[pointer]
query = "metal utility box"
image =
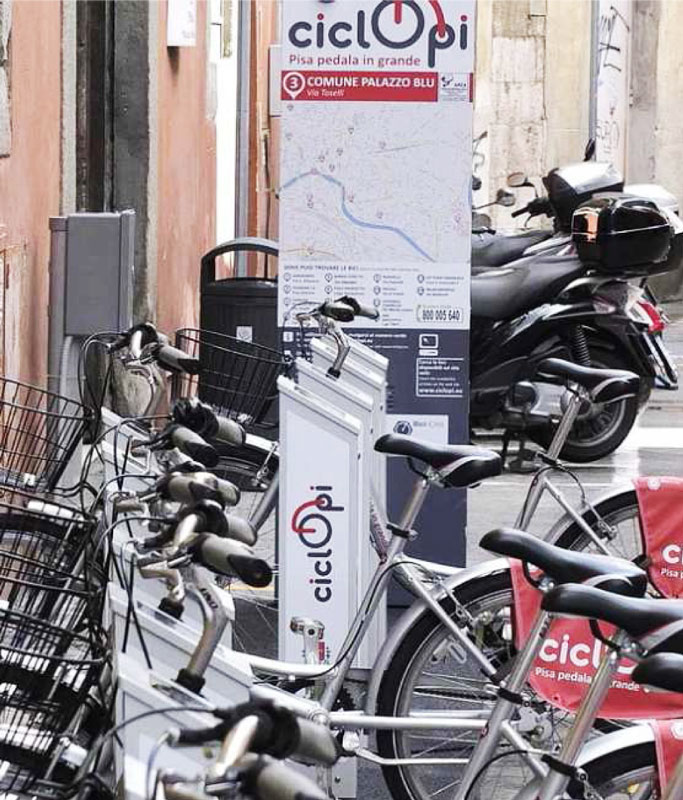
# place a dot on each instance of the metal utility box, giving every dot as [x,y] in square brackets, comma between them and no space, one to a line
[98,280]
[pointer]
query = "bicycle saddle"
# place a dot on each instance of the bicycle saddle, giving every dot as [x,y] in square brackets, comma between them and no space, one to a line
[568,566]
[604,385]
[657,624]
[663,671]
[460,465]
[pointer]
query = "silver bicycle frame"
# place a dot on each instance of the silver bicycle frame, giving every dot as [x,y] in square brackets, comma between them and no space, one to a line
[555,783]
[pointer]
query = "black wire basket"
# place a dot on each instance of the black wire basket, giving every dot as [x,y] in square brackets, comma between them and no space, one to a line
[56,538]
[51,638]
[237,378]
[39,432]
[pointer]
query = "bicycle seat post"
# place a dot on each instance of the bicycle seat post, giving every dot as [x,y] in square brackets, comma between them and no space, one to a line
[567,420]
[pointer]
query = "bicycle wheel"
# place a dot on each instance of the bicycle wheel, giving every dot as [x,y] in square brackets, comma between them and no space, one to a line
[256,622]
[616,521]
[431,672]
[627,774]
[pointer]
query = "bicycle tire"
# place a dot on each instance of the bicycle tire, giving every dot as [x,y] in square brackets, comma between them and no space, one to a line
[618,510]
[415,649]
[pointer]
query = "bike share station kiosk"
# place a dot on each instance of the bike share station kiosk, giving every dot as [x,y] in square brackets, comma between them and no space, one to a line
[375,106]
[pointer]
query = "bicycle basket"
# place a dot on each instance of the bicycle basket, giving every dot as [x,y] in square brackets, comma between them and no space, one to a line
[51,646]
[40,697]
[39,431]
[237,378]
[57,541]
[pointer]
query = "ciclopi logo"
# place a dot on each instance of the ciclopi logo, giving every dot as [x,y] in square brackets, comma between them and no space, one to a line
[386,29]
[580,654]
[673,554]
[312,523]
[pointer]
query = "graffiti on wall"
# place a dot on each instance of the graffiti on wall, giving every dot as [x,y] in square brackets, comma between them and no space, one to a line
[613,42]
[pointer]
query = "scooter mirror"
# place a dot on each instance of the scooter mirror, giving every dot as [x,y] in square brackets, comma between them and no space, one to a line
[589,152]
[481,220]
[517,179]
[504,198]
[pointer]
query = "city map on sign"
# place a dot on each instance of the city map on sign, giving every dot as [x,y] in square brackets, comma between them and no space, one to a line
[364,188]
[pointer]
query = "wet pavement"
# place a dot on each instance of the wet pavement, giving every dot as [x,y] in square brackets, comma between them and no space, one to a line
[654,447]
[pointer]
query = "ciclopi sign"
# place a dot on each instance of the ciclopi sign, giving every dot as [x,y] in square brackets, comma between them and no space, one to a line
[385,26]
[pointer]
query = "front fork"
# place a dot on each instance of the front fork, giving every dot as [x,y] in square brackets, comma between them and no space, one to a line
[508,701]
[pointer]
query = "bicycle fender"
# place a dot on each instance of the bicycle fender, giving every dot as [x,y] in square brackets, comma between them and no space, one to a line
[609,743]
[411,616]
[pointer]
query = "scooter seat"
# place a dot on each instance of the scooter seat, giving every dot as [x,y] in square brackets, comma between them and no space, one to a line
[662,670]
[657,624]
[493,249]
[517,287]
[568,566]
[604,385]
[460,465]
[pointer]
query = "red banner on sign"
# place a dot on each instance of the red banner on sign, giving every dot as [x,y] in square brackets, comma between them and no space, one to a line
[406,87]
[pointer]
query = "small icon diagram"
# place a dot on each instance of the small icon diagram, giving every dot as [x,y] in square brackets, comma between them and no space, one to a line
[293,83]
[429,344]
[404,427]
[429,340]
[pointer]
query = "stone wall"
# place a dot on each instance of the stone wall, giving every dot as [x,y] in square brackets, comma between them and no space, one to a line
[533,68]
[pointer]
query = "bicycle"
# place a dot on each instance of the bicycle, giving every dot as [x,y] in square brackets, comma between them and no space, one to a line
[434,477]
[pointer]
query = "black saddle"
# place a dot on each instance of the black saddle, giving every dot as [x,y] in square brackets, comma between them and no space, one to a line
[657,624]
[522,285]
[568,566]
[662,670]
[604,385]
[493,249]
[460,465]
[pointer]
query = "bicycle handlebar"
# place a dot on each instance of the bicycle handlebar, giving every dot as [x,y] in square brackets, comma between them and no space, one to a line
[175,360]
[272,780]
[192,444]
[279,733]
[190,487]
[336,310]
[232,558]
[359,310]
[202,419]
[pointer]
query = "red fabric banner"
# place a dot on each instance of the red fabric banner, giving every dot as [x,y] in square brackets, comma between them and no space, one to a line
[569,658]
[660,501]
[669,744]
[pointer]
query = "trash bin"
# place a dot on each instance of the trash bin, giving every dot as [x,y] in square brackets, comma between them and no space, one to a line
[245,308]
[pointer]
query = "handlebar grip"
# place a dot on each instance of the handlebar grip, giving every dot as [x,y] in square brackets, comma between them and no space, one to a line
[175,360]
[274,780]
[232,558]
[229,432]
[191,487]
[240,529]
[337,311]
[520,211]
[358,308]
[194,736]
[193,445]
[316,744]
